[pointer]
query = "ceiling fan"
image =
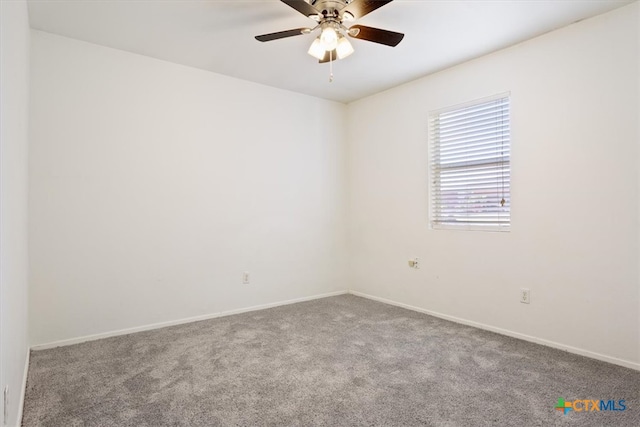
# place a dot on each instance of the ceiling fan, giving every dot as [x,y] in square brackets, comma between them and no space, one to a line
[331,16]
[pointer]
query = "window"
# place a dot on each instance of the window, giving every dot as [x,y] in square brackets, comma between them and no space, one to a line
[470,166]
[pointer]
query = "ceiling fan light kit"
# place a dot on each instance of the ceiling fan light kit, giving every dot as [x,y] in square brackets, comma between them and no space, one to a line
[317,49]
[328,37]
[331,15]
[344,48]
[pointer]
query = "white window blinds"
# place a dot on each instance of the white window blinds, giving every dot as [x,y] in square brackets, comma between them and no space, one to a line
[470,166]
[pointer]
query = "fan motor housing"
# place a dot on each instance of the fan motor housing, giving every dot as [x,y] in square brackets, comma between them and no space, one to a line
[329,8]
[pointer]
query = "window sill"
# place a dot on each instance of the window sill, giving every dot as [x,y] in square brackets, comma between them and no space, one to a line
[472,227]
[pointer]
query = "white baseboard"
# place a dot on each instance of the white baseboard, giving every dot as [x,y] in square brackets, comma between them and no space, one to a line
[23,391]
[178,322]
[559,346]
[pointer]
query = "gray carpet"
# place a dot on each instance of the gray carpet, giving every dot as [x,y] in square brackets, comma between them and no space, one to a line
[337,361]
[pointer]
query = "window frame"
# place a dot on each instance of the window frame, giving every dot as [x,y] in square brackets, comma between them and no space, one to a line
[433,225]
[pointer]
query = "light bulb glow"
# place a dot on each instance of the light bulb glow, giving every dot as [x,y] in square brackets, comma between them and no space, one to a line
[316,50]
[344,48]
[329,38]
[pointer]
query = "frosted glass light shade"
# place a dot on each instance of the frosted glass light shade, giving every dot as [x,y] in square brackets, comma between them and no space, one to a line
[344,48]
[316,50]
[329,38]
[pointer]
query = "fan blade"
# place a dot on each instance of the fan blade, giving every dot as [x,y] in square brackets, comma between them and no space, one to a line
[375,35]
[360,8]
[302,6]
[326,58]
[281,34]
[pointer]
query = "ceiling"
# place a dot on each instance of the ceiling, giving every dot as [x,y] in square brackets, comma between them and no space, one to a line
[218,35]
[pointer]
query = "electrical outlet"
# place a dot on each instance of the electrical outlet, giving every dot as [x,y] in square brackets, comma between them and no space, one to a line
[525,296]
[245,278]
[5,399]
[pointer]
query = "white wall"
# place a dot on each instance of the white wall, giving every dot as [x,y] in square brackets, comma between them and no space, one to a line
[574,233]
[14,94]
[153,186]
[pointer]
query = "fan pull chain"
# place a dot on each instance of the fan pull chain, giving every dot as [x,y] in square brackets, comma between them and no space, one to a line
[330,67]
